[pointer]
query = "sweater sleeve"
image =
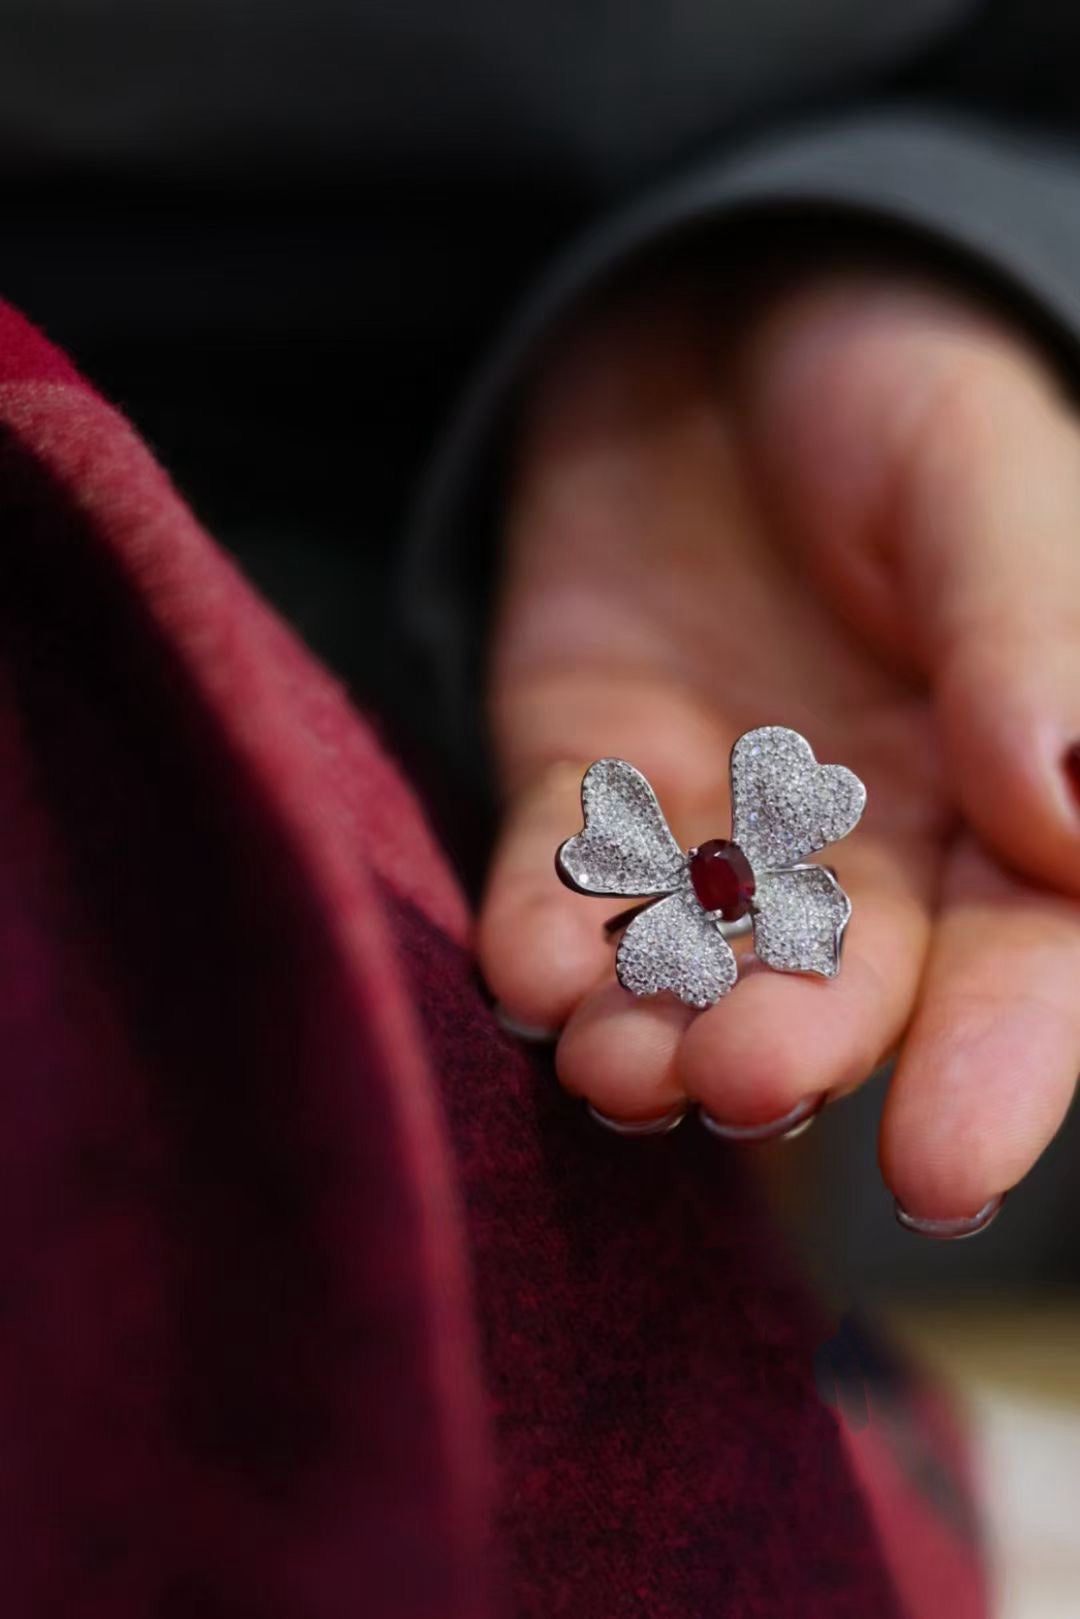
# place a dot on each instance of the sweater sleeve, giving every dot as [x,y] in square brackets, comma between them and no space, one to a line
[1005,206]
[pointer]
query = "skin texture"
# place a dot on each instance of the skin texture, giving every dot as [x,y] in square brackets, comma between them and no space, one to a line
[853,509]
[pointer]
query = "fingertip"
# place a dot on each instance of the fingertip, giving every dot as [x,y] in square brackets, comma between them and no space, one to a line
[982,1086]
[746,1064]
[780,1038]
[620,1052]
[940,1180]
[539,946]
[539,954]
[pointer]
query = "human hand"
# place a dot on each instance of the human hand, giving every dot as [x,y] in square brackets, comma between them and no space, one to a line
[858,516]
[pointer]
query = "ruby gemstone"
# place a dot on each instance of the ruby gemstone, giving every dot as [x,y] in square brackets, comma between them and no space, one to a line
[723,878]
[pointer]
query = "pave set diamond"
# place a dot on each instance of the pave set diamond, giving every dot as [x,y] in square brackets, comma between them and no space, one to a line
[626,846]
[785,806]
[673,945]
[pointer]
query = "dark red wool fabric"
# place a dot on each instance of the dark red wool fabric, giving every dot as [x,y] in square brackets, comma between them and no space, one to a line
[317,1299]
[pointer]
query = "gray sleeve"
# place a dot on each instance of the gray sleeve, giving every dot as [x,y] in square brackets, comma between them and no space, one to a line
[1006,207]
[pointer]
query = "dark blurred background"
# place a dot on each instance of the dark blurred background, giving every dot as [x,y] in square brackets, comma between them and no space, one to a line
[289,345]
[279,236]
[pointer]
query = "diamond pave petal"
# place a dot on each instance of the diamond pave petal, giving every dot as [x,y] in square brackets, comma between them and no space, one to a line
[674,946]
[626,846]
[784,804]
[799,919]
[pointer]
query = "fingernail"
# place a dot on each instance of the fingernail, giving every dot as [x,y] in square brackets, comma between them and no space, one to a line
[661,1125]
[535,1033]
[800,1118]
[952,1230]
[1072,767]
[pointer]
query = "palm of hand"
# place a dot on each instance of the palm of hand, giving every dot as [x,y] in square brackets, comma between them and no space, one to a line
[687,560]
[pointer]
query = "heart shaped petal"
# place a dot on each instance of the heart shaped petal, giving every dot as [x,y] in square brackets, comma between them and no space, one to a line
[626,846]
[799,920]
[674,946]
[784,804]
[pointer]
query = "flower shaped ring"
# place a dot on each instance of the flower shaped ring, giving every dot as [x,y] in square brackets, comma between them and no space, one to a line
[785,806]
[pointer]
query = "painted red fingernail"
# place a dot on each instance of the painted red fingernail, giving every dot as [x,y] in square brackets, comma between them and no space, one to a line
[1072,767]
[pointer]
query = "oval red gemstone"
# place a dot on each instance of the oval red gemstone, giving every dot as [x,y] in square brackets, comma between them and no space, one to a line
[723,879]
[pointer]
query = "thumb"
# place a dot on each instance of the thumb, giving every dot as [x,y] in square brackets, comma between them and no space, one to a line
[921,453]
